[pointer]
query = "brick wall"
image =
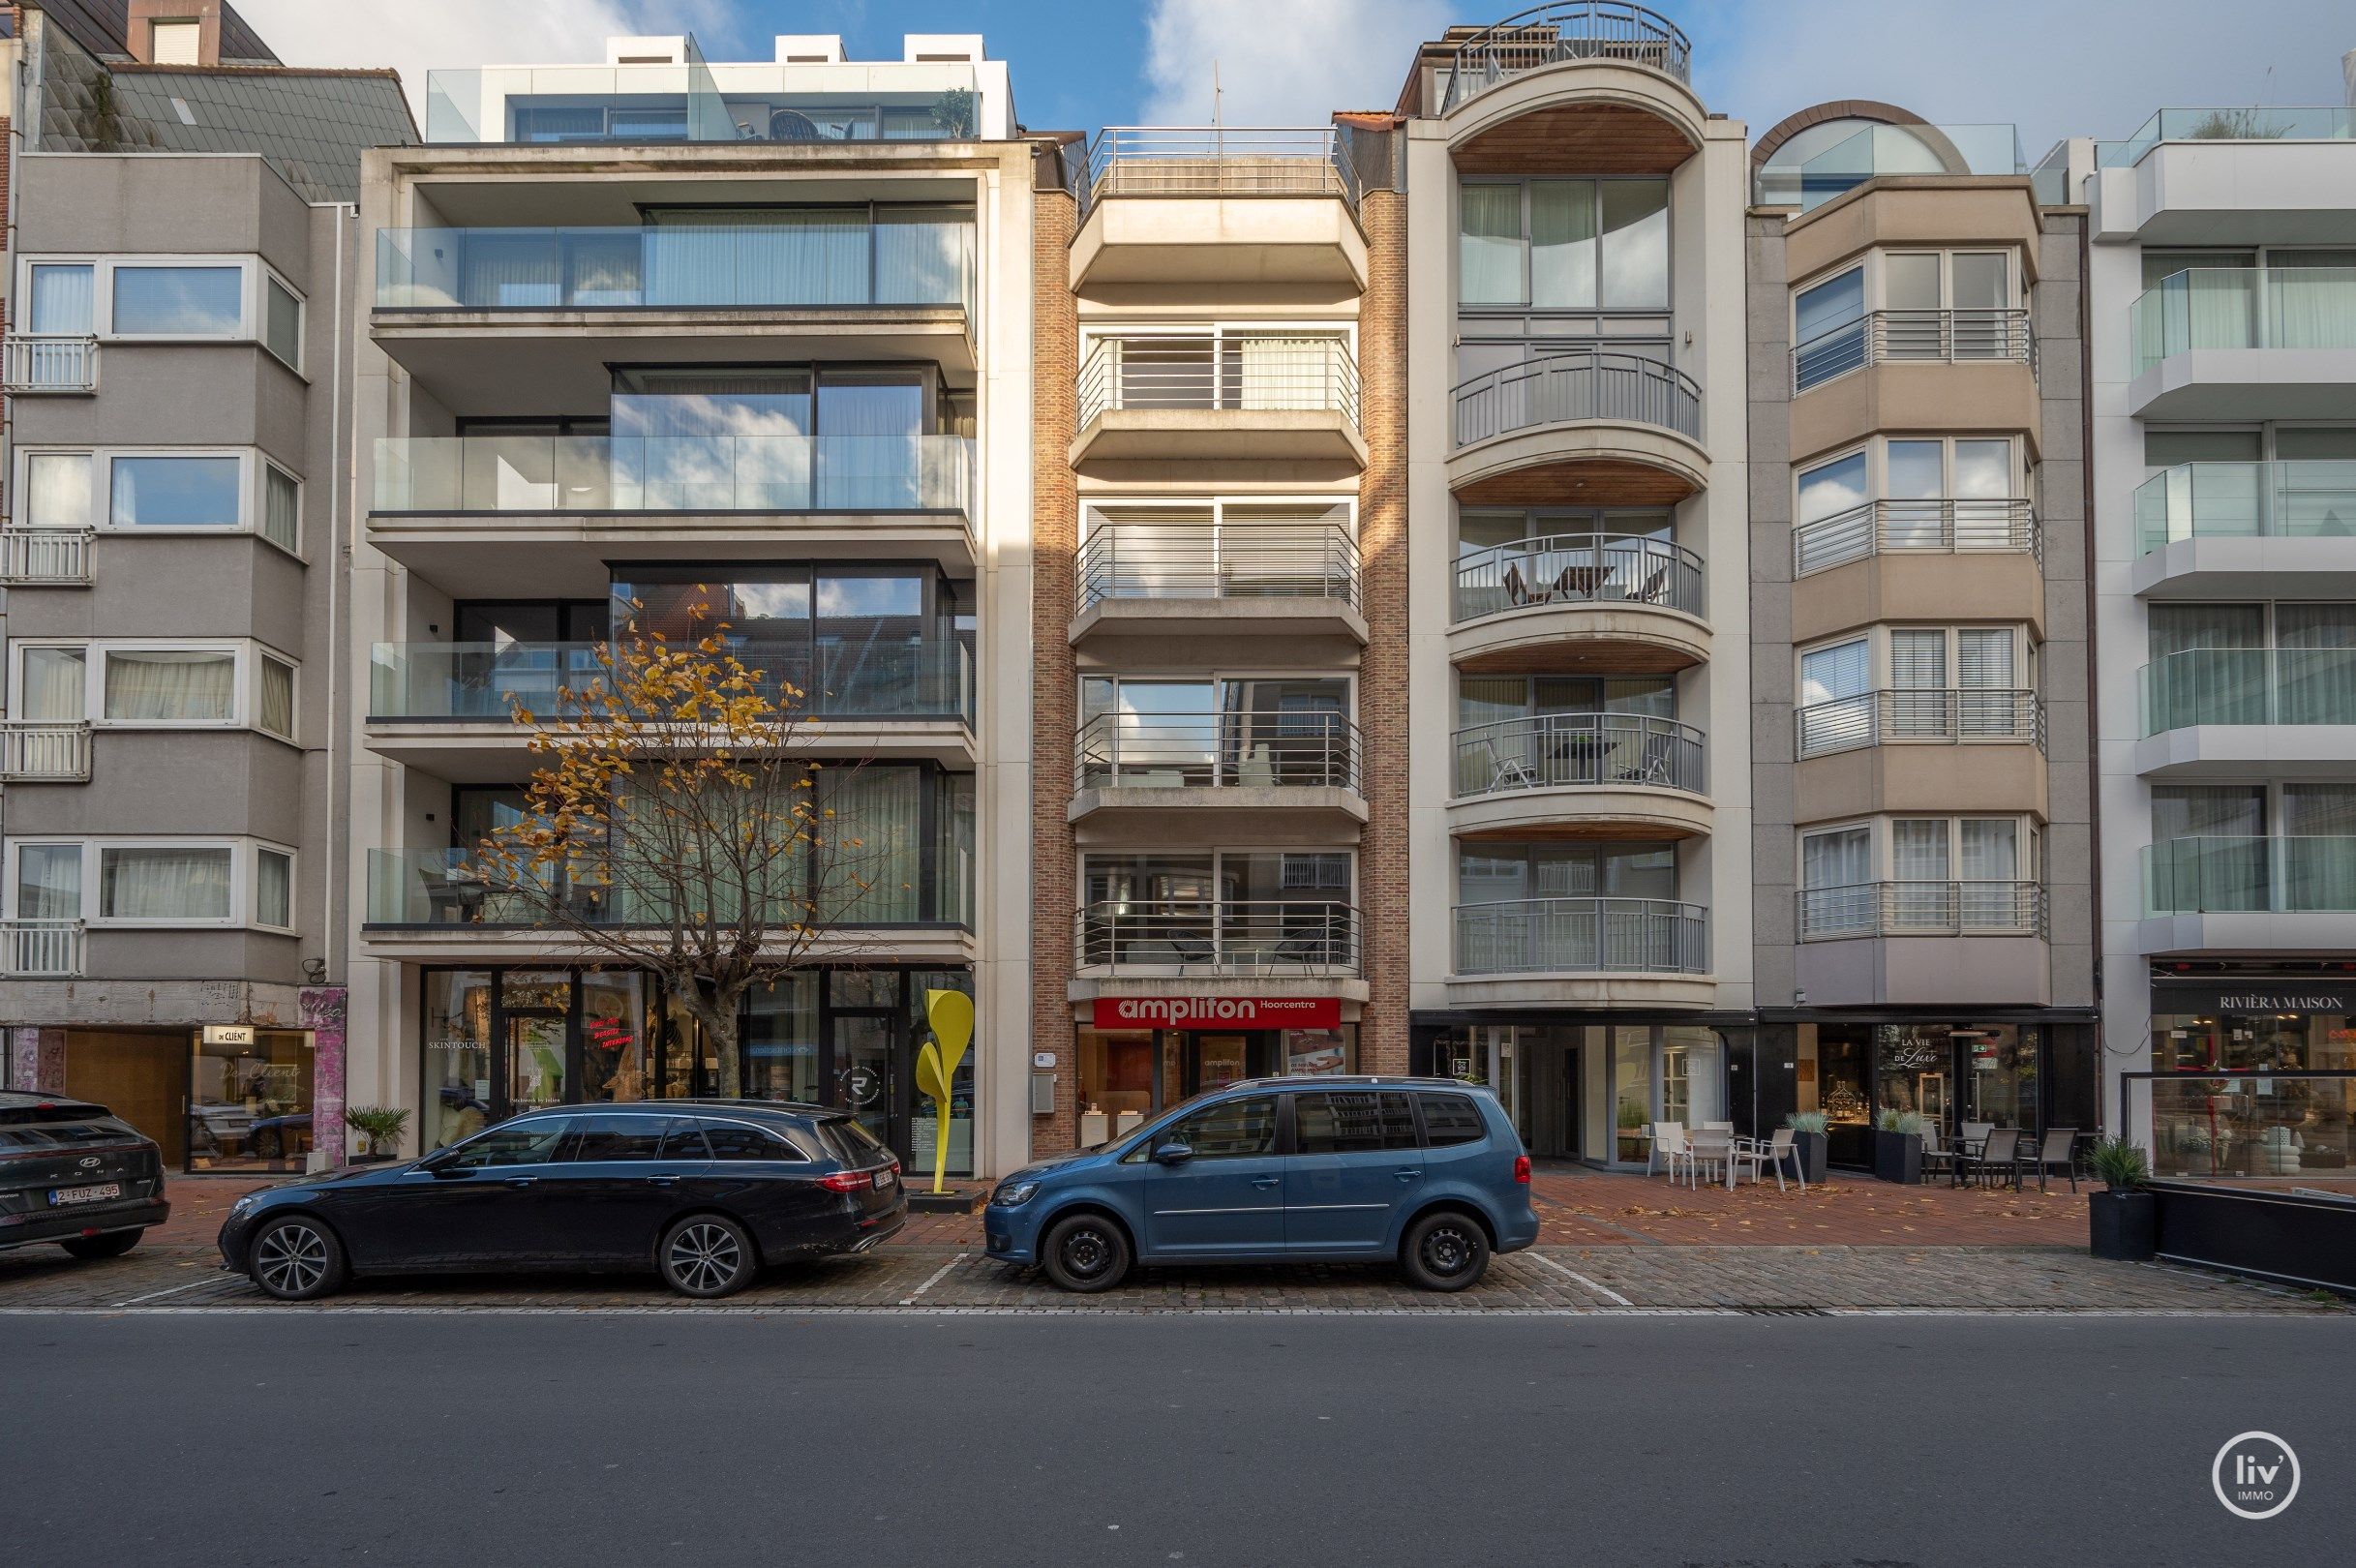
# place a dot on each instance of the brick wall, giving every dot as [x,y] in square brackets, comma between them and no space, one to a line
[1054,678]
[1383,677]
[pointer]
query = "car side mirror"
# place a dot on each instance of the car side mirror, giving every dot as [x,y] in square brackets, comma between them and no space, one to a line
[1173,1154]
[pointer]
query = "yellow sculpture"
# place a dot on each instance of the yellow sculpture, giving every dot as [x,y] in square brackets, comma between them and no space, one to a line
[951,1016]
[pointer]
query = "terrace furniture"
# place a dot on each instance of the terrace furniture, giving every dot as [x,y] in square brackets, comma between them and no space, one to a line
[1714,1149]
[1508,773]
[1997,1159]
[2054,1153]
[1936,1155]
[1668,1146]
[1758,1156]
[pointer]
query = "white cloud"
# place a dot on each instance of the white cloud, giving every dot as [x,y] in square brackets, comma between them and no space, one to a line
[416,36]
[1281,62]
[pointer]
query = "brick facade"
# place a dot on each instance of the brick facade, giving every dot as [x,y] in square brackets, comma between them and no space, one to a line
[1382,674]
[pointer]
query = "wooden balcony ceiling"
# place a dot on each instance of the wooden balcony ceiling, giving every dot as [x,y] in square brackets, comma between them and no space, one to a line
[1601,829]
[1574,656]
[1578,138]
[1582,482]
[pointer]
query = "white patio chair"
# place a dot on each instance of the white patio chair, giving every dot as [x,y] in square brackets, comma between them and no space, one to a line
[1712,1149]
[1508,773]
[1668,1147]
[1750,1153]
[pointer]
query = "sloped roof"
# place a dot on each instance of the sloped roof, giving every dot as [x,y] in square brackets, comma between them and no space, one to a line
[104,29]
[313,124]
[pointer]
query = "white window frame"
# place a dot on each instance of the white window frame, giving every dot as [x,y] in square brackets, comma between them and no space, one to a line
[247,653]
[1876,452]
[1213,678]
[244,878]
[252,296]
[1876,283]
[1110,509]
[253,489]
[1219,329]
[1878,664]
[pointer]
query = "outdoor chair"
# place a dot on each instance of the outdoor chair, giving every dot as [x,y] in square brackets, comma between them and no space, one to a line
[1937,1158]
[2054,1153]
[1508,773]
[1711,1148]
[1652,765]
[1996,1160]
[1518,590]
[1668,1147]
[1750,1153]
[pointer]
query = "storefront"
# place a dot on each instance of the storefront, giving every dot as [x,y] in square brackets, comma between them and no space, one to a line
[497,1042]
[1591,1091]
[221,1098]
[1140,1055]
[2023,1073]
[2253,1077]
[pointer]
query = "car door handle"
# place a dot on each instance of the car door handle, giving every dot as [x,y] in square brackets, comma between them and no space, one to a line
[1265,1181]
[521,1180]
[1407,1175]
[662,1181]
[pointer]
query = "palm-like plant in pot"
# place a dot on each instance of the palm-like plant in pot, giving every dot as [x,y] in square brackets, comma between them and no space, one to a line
[2123,1220]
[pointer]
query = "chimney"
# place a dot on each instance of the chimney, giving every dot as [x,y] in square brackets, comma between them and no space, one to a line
[175,32]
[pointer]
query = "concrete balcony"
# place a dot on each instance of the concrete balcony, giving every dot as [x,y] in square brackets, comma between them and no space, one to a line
[2274,895]
[1913,943]
[1158,579]
[1579,775]
[1221,395]
[540,516]
[2249,713]
[1594,425]
[2246,531]
[2245,344]
[32,752]
[1578,603]
[1215,206]
[1235,777]
[2269,176]
[1309,940]
[1582,951]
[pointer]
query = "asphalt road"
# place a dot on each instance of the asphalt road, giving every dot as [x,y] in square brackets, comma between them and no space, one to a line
[308,1439]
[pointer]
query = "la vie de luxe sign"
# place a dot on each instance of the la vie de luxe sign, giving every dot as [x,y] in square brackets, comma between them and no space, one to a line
[1217,1012]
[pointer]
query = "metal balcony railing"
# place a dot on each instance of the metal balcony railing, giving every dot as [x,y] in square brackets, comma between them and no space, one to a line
[1582,936]
[1588,383]
[1217,161]
[2224,307]
[1217,560]
[1951,526]
[39,949]
[2248,686]
[2279,873]
[1557,750]
[682,474]
[1259,748]
[35,752]
[1951,337]
[1550,35]
[44,556]
[1913,908]
[1901,716]
[1219,936]
[1227,370]
[1578,568]
[49,362]
[2314,499]
[881,677]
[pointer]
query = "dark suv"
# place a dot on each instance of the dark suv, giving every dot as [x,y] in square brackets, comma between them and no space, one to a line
[73,1174]
[703,1192]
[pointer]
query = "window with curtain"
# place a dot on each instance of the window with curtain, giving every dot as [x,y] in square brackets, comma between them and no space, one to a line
[282,326]
[924,256]
[1563,236]
[1836,705]
[274,889]
[1828,329]
[2210,665]
[48,882]
[879,880]
[1489,244]
[276,698]
[1989,856]
[1635,225]
[1585,244]
[62,298]
[1919,849]
[1987,675]
[1836,876]
[282,509]
[505,269]
[163,882]
[175,491]
[869,439]
[2208,849]
[178,301]
[2313,297]
[776,255]
[2319,862]
[55,685]
[168,687]
[56,490]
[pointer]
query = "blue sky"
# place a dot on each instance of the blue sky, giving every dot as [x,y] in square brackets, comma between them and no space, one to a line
[2054,67]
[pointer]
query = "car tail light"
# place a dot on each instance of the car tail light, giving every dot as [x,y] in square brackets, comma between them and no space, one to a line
[1522,1170]
[854,1181]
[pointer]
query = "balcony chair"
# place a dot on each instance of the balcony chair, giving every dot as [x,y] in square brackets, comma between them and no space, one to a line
[1653,762]
[1507,772]
[1518,590]
[1654,589]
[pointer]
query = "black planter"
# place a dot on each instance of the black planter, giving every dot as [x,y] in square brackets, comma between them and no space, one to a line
[1810,1148]
[2122,1226]
[1897,1157]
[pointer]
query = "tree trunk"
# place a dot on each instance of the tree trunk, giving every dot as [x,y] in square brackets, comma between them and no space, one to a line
[719,1016]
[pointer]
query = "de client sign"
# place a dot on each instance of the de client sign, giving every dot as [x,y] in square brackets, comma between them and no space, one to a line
[1217,1012]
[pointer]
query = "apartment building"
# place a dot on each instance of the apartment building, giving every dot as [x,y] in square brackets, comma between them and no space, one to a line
[1220,739]
[183,251]
[1580,788]
[665,331]
[2221,327]
[1920,645]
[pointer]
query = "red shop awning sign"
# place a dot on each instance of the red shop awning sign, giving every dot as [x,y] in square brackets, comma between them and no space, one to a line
[1217,1012]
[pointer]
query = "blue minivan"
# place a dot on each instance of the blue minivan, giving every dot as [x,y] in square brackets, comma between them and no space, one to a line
[1427,1171]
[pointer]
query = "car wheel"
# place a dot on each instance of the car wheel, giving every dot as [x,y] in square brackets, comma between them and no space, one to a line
[707,1256]
[265,1145]
[1446,1251]
[113,1244]
[1085,1252]
[297,1258]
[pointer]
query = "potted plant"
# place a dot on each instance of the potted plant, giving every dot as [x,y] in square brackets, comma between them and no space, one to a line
[952,113]
[1808,1142]
[380,1127]
[1897,1147]
[2123,1220]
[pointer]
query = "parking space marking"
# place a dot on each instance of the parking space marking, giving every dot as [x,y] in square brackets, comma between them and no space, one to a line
[1579,1278]
[154,1295]
[937,1274]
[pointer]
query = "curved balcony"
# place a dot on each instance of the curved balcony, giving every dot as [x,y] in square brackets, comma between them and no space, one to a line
[1616,417]
[1550,35]
[1576,952]
[1246,937]
[1570,87]
[1579,775]
[1220,393]
[1234,776]
[1579,602]
[1159,577]
[2244,529]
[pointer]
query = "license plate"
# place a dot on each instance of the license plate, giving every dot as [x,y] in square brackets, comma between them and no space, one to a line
[885,1178]
[67,1196]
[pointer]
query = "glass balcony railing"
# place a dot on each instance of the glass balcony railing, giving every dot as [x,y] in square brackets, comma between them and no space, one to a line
[2330,122]
[2308,500]
[1582,936]
[872,677]
[1877,150]
[459,888]
[572,104]
[681,473]
[2222,308]
[2250,686]
[2278,874]
[1606,31]
[806,259]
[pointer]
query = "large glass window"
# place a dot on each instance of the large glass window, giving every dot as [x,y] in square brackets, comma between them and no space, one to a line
[176,493]
[457,1056]
[1828,329]
[150,686]
[1564,243]
[250,1106]
[178,301]
[779,1040]
[164,882]
[62,298]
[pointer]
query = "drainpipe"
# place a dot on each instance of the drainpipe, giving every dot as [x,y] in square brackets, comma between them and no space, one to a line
[331,951]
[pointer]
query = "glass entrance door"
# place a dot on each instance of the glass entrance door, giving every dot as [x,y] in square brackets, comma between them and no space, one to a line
[536,1060]
[867,1082]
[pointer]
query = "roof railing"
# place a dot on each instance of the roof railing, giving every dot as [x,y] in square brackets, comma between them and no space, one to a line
[1603,30]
